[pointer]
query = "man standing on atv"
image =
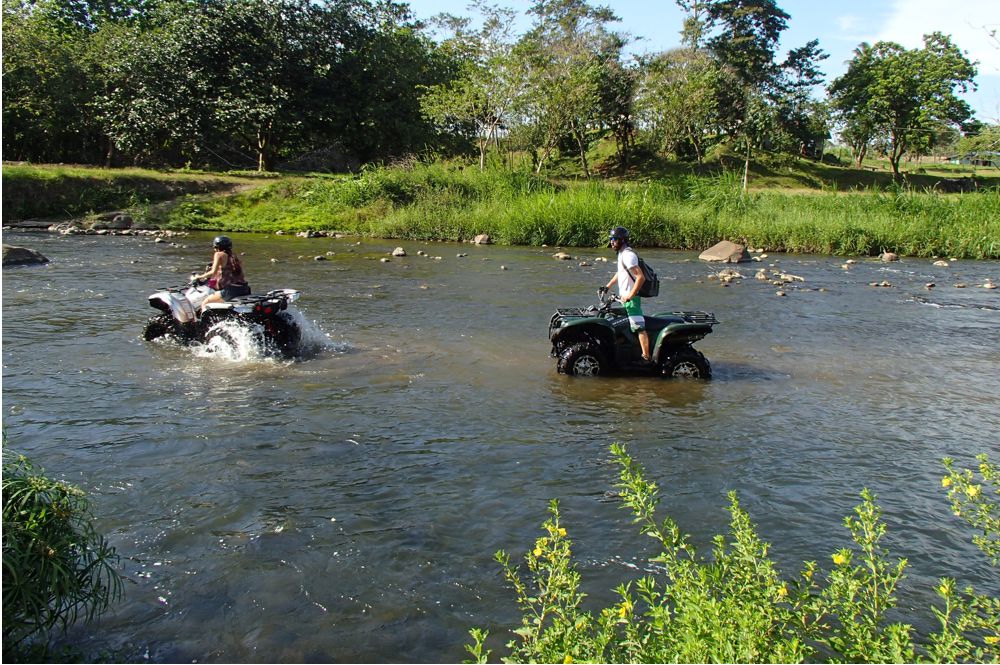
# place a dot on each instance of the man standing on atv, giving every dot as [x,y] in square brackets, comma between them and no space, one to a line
[227,271]
[630,280]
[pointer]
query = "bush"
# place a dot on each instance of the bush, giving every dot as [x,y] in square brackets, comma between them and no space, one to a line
[56,568]
[736,607]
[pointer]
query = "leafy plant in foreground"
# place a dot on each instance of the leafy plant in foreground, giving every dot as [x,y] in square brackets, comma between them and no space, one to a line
[735,607]
[56,568]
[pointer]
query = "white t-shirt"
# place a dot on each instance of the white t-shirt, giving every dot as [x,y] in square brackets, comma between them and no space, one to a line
[627,259]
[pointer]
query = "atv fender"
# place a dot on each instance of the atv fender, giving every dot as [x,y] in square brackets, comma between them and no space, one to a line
[679,333]
[598,330]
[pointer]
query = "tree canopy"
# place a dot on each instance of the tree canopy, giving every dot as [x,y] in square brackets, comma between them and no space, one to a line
[331,84]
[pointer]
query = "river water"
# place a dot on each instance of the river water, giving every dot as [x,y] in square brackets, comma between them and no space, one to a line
[346,507]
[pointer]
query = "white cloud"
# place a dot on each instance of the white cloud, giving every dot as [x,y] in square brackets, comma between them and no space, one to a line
[969,23]
[848,23]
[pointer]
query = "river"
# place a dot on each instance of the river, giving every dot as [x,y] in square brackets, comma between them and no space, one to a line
[346,507]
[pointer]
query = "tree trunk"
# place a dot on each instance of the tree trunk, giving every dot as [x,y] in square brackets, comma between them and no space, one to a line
[578,135]
[109,157]
[746,168]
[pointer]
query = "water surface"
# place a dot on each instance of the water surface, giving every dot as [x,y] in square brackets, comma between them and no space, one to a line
[346,507]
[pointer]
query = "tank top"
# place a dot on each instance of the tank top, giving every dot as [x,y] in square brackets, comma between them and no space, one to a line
[232,272]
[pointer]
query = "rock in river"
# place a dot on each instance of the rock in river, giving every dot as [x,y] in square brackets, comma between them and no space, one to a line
[21,256]
[725,252]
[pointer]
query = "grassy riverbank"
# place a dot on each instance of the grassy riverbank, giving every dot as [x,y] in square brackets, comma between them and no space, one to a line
[680,211]
[52,191]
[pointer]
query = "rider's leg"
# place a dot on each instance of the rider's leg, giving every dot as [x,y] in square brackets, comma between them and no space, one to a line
[215,297]
[644,343]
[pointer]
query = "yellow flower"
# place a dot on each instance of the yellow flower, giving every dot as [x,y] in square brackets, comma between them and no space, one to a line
[943,589]
[623,611]
[946,482]
[782,592]
[538,551]
[568,659]
[993,639]
[972,491]
[562,531]
[839,558]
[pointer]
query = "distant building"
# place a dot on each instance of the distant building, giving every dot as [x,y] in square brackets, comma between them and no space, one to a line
[977,159]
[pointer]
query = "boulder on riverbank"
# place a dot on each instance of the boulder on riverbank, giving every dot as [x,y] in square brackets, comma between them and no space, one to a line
[725,252]
[21,256]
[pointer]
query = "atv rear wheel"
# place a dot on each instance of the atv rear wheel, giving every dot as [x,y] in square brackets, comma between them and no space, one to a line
[158,326]
[583,359]
[687,364]
[285,333]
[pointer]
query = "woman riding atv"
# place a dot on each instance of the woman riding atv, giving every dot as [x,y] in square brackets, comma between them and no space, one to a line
[227,271]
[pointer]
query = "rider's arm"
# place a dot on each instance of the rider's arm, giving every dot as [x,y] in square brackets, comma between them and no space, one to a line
[638,279]
[217,263]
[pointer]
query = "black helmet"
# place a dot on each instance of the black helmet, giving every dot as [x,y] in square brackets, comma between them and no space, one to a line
[618,233]
[223,243]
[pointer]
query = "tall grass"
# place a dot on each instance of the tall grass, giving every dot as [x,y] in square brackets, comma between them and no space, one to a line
[442,201]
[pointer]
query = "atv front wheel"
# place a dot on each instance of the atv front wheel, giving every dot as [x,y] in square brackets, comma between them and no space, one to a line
[223,342]
[158,326]
[687,364]
[582,359]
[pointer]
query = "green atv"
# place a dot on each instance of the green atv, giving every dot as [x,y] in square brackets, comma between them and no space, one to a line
[597,340]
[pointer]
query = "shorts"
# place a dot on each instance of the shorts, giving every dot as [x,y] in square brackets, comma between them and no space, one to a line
[633,308]
[235,291]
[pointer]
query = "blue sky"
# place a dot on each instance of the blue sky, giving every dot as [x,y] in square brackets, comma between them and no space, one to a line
[840,26]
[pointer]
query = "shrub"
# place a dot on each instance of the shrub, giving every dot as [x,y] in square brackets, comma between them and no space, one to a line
[736,607]
[56,568]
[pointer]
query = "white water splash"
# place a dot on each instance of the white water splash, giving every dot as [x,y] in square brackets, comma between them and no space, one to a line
[239,342]
[314,339]
[234,342]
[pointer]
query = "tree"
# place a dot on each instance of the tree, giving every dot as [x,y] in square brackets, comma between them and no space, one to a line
[563,52]
[617,85]
[745,42]
[899,95]
[802,119]
[47,86]
[678,100]
[483,94]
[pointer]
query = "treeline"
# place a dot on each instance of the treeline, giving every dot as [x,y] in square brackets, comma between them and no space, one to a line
[332,84]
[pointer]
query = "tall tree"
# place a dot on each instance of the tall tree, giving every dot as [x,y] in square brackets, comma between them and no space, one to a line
[678,100]
[563,51]
[47,85]
[485,90]
[745,38]
[904,94]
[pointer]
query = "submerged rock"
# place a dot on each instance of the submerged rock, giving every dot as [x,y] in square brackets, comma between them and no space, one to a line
[21,256]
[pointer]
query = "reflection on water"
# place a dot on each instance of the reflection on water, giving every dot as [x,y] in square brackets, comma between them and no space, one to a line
[345,506]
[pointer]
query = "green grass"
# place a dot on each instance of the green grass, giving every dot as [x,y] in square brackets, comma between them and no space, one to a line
[59,191]
[682,212]
[808,207]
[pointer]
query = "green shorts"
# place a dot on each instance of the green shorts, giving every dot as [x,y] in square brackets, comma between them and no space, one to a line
[636,320]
